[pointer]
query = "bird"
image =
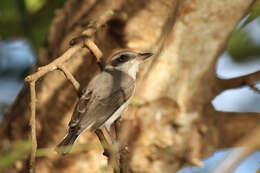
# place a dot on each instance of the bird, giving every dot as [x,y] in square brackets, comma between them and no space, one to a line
[106,96]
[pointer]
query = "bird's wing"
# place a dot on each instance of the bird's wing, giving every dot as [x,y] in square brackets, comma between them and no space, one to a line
[81,108]
[106,107]
[92,110]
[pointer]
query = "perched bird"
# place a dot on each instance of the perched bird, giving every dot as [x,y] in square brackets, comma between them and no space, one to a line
[107,95]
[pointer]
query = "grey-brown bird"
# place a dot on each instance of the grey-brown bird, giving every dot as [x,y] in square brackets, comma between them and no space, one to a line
[105,98]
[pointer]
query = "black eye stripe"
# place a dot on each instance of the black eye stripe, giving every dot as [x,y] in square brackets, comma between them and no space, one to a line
[120,59]
[114,63]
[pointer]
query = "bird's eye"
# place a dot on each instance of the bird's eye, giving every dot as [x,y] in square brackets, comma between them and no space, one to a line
[122,58]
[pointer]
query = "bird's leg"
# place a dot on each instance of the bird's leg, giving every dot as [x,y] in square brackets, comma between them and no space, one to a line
[110,135]
[117,127]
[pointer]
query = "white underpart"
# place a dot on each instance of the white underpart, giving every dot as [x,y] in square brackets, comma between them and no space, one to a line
[117,114]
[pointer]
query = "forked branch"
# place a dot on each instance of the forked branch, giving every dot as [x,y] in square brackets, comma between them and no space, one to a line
[250,80]
[97,18]
[110,151]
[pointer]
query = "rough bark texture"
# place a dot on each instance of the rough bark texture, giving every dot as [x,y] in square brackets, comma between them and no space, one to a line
[175,124]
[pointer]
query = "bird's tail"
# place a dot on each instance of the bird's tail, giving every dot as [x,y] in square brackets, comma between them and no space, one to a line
[66,144]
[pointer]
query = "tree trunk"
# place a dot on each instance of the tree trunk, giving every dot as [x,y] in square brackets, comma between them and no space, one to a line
[174,123]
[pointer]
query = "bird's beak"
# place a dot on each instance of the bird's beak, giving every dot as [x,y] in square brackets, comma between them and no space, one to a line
[143,56]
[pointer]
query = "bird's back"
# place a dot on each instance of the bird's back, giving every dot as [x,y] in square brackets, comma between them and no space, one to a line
[105,93]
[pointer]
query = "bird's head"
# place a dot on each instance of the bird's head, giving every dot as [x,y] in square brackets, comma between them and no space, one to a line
[127,61]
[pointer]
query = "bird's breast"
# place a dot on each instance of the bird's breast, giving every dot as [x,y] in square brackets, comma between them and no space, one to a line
[117,113]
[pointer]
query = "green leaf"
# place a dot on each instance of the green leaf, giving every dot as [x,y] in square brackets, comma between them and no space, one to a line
[9,11]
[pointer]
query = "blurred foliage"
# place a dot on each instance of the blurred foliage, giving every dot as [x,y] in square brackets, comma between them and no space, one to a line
[240,45]
[27,18]
[20,151]
[34,5]
[135,102]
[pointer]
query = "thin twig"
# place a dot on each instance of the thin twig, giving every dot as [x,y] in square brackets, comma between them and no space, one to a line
[94,49]
[53,65]
[96,52]
[127,131]
[70,77]
[111,151]
[60,60]
[98,20]
[33,126]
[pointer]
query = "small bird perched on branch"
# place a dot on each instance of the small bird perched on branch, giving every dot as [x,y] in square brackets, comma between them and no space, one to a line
[107,95]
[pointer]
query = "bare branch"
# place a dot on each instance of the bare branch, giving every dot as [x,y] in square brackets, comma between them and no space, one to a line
[124,132]
[110,151]
[97,20]
[33,126]
[251,143]
[250,79]
[70,77]
[53,65]
[88,43]
[94,49]
[233,126]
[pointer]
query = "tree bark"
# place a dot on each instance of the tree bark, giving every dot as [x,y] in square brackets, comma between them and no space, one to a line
[174,123]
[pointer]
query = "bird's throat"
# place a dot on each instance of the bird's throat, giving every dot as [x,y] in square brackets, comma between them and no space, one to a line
[133,70]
